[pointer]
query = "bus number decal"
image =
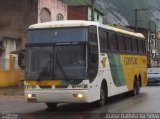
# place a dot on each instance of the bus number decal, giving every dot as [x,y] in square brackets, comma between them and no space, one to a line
[130,60]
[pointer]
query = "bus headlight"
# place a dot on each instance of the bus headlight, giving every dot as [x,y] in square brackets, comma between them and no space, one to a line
[80,95]
[29,95]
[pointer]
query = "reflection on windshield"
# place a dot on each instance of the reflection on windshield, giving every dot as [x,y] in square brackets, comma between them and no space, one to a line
[70,62]
[58,62]
[39,63]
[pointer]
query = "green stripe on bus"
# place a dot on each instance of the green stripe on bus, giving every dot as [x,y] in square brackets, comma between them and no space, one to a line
[116,69]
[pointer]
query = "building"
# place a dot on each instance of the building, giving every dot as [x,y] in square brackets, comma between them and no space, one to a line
[17,15]
[7,46]
[51,10]
[9,70]
[84,12]
[15,18]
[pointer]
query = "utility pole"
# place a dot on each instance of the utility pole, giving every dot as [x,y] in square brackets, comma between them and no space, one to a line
[92,13]
[136,16]
[155,40]
[155,36]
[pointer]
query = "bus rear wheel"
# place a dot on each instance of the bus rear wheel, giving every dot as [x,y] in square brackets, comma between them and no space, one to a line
[52,105]
[101,102]
[136,88]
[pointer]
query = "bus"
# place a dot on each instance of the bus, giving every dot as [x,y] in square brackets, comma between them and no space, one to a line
[82,62]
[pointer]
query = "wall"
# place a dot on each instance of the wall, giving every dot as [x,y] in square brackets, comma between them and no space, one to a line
[9,77]
[54,6]
[97,16]
[16,16]
[77,13]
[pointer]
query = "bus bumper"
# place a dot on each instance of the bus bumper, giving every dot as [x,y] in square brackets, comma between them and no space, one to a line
[58,96]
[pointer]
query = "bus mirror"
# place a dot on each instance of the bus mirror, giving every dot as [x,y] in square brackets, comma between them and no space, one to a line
[21,60]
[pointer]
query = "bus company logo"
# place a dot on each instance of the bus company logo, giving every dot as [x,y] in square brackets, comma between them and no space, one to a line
[104,62]
[130,60]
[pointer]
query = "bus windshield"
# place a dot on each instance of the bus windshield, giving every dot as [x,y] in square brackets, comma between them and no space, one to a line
[57,35]
[56,62]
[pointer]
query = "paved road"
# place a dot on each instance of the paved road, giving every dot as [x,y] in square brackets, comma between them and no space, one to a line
[147,101]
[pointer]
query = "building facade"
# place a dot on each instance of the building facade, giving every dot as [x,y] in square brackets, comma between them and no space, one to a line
[84,12]
[51,10]
[15,18]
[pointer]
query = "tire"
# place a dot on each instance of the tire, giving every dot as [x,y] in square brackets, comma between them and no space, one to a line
[136,88]
[103,97]
[51,105]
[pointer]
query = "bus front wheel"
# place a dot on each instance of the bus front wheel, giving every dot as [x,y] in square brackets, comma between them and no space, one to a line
[136,88]
[101,102]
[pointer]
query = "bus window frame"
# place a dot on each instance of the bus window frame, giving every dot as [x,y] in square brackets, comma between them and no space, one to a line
[111,36]
[107,41]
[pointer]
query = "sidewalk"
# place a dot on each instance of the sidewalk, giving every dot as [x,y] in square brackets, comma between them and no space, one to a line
[12,92]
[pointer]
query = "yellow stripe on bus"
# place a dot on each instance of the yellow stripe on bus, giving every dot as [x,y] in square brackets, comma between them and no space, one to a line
[44,82]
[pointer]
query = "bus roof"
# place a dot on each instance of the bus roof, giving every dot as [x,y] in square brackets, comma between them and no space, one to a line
[74,23]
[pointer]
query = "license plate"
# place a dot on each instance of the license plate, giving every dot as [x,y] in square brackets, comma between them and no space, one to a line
[32,100]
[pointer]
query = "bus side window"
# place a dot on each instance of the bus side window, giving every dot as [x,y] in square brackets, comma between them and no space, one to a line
[113,42]
[140,46]
[104,41]
[134,45]
[128,44]
[121,43]
[92,61]
[92,33]
[144,46]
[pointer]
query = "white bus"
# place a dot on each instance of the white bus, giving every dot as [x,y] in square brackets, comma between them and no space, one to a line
[82,62]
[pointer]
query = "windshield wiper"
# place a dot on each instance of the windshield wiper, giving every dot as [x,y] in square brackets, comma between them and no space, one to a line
[44,69]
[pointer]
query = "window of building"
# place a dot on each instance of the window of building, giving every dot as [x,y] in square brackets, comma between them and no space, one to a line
[59,17]
[45,15]
[97,16]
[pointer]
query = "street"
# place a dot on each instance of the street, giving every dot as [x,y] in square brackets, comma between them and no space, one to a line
[146,102]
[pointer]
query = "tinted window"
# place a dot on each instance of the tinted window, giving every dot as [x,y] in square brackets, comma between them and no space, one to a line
[128,44]
[92,62]
[134,45]
[144,46]
[121,43]
[92,32]
[104,41]
[56,35]
[140,46]
[113,42]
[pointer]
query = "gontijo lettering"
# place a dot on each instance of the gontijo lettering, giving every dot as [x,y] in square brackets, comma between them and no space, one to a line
[130,60]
